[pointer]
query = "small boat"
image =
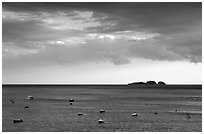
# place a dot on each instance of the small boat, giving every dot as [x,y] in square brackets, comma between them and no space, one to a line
[26,106]
[71,100]
[17,120]
[80,114]
[30,97]
[12,101]
[100,121]
[134,114]
[102,111]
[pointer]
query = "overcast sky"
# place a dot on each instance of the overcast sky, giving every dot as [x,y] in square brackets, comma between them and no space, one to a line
[102,42]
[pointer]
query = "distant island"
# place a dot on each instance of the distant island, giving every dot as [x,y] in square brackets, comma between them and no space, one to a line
[160,83]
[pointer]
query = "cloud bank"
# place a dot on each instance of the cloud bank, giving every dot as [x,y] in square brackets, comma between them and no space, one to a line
[73,33]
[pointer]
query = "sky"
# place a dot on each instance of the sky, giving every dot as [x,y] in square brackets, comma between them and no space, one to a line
[101,43]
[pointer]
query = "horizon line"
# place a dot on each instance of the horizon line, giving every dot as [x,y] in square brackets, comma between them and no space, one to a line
[91,83]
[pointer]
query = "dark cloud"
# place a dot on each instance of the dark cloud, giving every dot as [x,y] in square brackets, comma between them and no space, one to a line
[166,17]
[33,31]
[178,26]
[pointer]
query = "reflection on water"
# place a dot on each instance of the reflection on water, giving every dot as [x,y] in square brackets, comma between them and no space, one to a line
[193,103]
[183,111]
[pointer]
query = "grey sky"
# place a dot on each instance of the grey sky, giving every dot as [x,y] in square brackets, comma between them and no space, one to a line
[42,35]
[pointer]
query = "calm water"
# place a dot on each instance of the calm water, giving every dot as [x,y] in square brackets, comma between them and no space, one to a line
[50,110]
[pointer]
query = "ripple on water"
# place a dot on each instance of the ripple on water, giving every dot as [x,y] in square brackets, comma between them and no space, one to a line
[185,111]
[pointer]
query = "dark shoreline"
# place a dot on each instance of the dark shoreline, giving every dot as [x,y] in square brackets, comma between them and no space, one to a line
[170,86]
